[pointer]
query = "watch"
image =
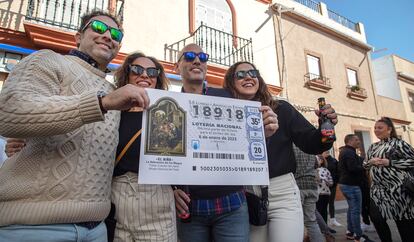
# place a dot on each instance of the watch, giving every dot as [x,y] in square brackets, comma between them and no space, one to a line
[100,95]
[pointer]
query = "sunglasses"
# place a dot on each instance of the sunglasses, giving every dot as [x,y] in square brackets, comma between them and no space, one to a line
[191,55]
[242,74]
[138,70]
[100,28]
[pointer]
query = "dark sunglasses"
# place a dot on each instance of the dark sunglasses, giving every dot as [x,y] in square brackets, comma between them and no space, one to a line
[242,74]
[100,28]
[191,55]
[139,70]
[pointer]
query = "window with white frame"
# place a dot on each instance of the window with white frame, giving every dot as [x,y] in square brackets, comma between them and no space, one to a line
[314,67]
[215,14]
[411,100]
[352,77]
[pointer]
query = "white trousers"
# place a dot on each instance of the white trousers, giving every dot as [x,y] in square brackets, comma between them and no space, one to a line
[143,212]
[285,216]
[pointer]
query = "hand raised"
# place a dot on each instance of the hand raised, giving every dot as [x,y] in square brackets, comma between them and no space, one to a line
[126,97]
[329,112]
[270,121]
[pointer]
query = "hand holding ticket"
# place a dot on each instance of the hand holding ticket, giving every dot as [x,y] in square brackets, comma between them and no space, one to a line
[202,140]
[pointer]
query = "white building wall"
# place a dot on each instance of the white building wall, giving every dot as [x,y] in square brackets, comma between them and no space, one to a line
[386,78]
[151,24]
[251,15]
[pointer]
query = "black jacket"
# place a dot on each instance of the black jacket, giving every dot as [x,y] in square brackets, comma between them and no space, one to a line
[333,168]
[350,167]
[293,128]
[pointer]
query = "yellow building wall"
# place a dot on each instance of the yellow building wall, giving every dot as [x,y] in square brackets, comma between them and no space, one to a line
[336,55]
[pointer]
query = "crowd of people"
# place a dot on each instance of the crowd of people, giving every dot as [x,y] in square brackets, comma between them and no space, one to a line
[72,171]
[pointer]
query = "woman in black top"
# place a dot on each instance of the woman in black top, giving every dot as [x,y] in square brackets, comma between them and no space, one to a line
[143,212]
[285,211]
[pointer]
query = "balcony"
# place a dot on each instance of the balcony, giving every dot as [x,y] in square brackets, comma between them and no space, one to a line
[342,20]
[356,92]
[317,82]
[66,13]
[322,9]
[310,4]
[224,48]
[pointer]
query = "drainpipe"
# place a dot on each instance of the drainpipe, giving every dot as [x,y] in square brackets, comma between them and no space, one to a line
[277,11]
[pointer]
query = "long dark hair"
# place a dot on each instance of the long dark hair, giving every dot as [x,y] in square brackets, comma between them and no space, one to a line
[387,121]
[122,74]
[263,95]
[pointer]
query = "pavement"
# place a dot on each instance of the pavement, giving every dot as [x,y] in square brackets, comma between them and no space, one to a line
[341,208]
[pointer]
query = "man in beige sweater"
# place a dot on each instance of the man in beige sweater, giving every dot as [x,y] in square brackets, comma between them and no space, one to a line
[58,187]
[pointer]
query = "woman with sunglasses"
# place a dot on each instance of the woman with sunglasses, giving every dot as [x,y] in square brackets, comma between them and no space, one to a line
[139,212]
[390,161]
[285,217]
[143,212]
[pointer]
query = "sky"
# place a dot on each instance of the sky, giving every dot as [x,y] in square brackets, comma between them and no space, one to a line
[388,23]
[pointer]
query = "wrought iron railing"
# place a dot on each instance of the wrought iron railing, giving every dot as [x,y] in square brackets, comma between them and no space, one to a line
[223,48]
[342,20]
[310,77]
[67,13]
[310,4]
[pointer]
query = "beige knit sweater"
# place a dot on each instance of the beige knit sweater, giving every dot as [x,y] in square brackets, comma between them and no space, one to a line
[63,175]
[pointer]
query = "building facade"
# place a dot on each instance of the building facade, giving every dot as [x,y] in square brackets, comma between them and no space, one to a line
[299,46]
[323,54]
[394,81]
[224,28]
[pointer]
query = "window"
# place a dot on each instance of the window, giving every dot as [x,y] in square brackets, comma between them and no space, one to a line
[365,139]
[411,100]
[314,67]
[352,77]
[214,13]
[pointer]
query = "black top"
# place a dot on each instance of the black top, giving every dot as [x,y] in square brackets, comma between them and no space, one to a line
[350,167]
[293,127]
[333,168]
[129,125]
[210,192]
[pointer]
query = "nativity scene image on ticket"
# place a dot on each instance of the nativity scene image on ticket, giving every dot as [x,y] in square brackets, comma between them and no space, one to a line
[166,129]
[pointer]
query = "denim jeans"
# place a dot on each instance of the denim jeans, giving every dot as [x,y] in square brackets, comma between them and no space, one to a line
[354,199]
[53,233]
[232,226]
[309,198]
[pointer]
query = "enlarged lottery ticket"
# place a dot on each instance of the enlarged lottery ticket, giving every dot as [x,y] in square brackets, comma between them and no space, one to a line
[202,140]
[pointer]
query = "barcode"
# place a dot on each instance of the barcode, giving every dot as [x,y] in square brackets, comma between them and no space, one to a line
[224,156]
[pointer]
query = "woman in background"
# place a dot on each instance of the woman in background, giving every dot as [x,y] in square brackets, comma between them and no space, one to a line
[324,182]
[390,161]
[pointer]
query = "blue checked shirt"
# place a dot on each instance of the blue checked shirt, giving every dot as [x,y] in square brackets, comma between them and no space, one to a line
[217,206]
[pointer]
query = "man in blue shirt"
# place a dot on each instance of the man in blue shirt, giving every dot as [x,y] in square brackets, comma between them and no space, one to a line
[218,213]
